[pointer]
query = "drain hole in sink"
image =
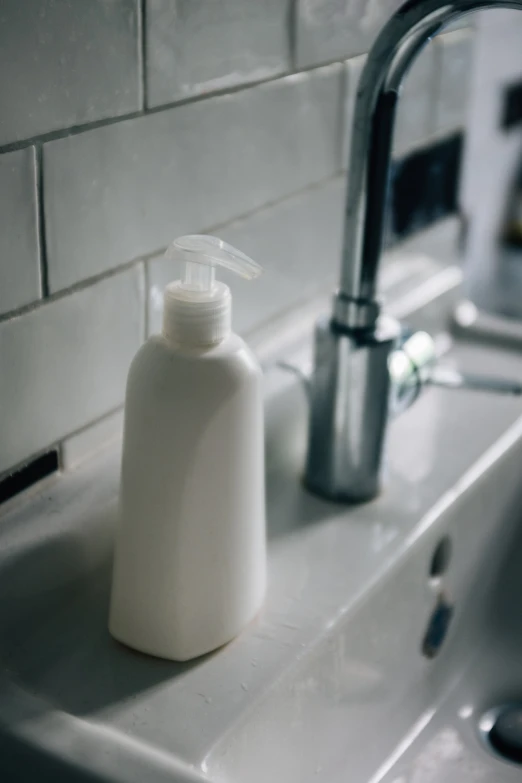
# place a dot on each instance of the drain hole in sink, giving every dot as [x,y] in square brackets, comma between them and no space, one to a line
[442,613]
[438,627]
[502,729]
[441,557]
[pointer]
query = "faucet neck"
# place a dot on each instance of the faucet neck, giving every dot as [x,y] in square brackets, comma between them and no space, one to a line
[390,58]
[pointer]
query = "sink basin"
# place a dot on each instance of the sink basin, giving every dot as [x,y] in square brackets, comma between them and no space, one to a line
[388,628]
[363,703]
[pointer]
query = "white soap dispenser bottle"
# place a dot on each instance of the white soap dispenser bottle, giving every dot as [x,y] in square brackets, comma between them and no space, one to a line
[190,562]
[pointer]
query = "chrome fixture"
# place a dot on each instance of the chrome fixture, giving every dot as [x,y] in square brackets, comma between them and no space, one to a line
[350,385]
[413,366]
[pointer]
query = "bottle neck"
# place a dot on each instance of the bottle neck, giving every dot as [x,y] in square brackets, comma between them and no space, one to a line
[194,319]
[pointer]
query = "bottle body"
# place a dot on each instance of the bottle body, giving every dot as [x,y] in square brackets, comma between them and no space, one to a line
[190,562]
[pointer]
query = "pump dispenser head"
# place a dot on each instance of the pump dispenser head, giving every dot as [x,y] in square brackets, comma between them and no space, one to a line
[197,308]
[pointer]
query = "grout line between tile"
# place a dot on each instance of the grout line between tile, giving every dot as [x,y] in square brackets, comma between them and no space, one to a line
[142,52]
[291,23]
[145,306]
[79,286]
[82,284]
[76,130]
[41,228]
[92,423]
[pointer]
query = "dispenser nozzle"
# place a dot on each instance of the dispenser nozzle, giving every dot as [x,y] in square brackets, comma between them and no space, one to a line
[201,253]
[197,308]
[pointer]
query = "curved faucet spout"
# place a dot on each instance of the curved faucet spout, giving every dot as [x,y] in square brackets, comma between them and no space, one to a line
[350,386]
[395,49]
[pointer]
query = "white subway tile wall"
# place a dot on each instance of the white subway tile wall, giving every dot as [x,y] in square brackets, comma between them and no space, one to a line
[66,62]
[20,281]
[65,363]
[113,141]
[336,29]
[122,191]
[196,46]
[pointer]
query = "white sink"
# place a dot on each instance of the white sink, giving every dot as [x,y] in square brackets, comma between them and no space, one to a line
[362,703]
[330,682]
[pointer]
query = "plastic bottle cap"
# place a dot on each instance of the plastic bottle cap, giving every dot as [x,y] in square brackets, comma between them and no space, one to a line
[197,309]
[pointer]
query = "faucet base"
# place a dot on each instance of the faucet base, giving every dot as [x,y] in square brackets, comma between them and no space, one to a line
[349,394]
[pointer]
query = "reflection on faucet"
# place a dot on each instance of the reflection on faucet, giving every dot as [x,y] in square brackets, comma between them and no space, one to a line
[350,384]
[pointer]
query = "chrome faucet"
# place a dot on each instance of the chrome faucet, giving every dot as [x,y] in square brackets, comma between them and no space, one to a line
[350,385]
